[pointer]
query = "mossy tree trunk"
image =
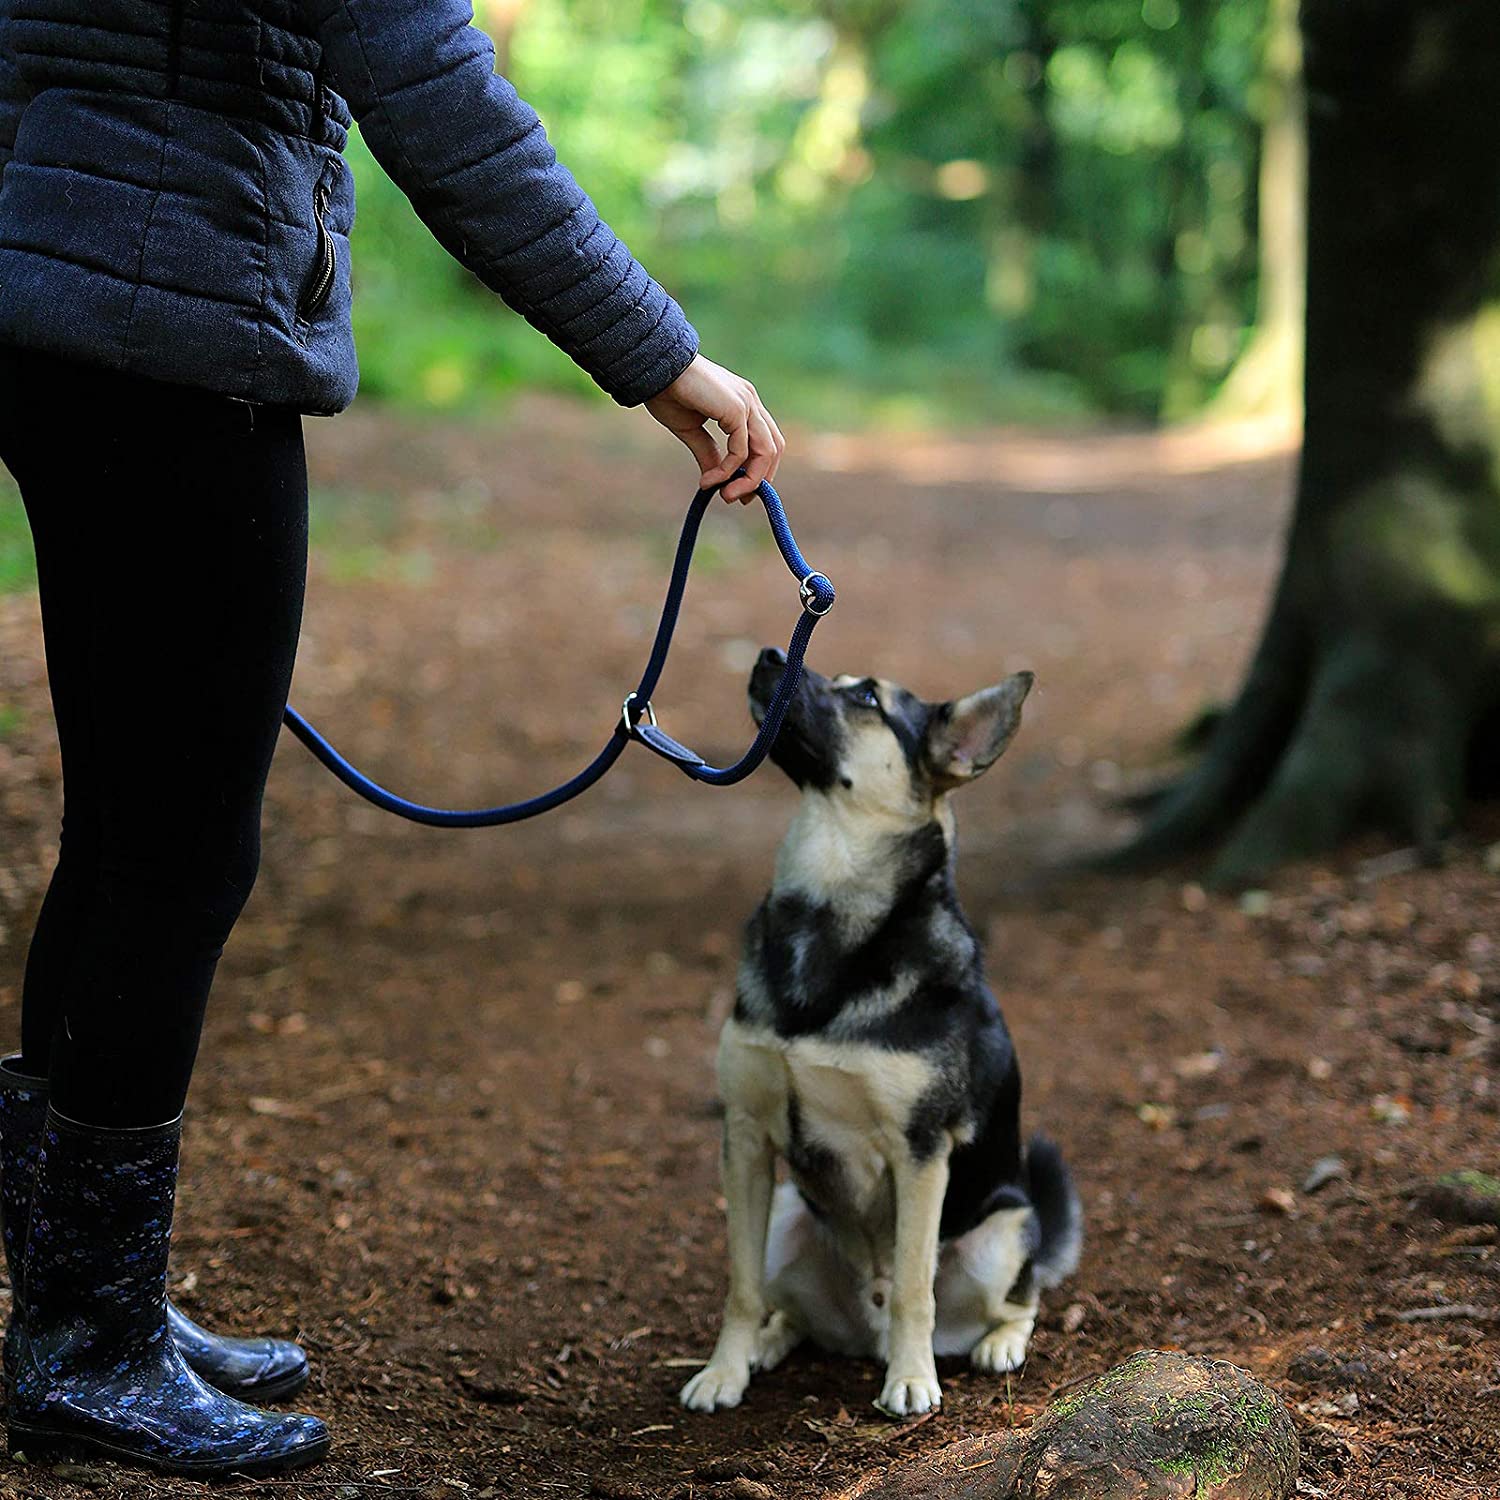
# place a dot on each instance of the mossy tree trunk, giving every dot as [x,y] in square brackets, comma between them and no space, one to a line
[1373,693]
[1160,1426]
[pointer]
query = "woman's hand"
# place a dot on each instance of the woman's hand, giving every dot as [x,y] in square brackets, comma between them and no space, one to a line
[706,392]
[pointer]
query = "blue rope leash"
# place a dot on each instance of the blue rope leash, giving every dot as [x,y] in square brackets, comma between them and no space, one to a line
[637,717]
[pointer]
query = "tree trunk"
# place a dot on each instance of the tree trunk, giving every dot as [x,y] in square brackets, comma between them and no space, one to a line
[1267,379]
[1373,693]
[1188,293]
[1021,226]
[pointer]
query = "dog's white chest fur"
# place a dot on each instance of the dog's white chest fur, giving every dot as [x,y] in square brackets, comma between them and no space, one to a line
[850,1101]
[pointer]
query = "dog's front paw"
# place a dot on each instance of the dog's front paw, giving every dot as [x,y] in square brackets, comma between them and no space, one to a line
[1002,1349]
[716,1387]
[910,1395]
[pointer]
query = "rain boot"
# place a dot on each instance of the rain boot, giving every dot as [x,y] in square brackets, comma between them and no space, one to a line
[254,1369]
[95,1368]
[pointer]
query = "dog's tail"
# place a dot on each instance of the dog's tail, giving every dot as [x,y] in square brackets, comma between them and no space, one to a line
[1059,1215]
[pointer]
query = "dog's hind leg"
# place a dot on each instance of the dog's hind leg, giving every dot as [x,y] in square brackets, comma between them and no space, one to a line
[749,1174]
[811,1286]
[987,1301]
[1004,1347]
[776,1340]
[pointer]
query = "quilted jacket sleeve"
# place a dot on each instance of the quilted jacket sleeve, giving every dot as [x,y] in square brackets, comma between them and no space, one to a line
[474,160]
[13,95]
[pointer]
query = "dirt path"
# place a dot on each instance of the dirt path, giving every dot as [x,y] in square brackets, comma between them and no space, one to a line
[454,1121]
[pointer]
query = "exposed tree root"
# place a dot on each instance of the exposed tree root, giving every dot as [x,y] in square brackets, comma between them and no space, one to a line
[1368,745]
[1206,802]
[1160,1426]
[1377,736]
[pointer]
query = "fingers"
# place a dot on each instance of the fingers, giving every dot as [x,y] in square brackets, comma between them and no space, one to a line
[701,444]
[780,442]
[707,392]
[761,454]
[736,425]
[765,446]
[731,417]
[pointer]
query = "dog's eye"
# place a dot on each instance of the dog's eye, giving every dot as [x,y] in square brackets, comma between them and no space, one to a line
[865,695]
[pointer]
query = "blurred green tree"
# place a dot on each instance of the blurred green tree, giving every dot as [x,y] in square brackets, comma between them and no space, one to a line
[1375,691]
[958,209]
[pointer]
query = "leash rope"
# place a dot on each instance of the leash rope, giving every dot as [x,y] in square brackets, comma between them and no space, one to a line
[637,719]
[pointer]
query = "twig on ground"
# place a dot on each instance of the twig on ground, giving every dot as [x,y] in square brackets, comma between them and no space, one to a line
[901,1433]
[969,1468]
[1449,1310]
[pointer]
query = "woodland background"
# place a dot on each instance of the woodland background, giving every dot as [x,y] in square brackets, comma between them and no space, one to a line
[945,210]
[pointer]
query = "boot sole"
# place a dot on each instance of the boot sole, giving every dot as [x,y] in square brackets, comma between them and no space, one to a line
[38,1445]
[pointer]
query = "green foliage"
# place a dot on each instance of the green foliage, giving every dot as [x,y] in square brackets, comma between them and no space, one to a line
[939,208]
[17,564]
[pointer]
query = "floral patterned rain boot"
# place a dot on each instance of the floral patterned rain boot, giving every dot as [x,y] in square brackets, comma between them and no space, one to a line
[95,1368]
[253,1369]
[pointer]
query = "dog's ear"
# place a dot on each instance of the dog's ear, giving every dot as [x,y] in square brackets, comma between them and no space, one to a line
[966,737]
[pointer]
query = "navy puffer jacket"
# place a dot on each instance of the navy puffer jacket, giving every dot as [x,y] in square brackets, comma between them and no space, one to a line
[174,203]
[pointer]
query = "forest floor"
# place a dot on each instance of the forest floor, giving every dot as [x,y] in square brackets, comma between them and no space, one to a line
[454,1124]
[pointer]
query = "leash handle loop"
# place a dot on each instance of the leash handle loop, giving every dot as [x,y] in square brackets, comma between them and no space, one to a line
[637,719]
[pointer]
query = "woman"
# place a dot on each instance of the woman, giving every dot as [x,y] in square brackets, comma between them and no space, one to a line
[174,294]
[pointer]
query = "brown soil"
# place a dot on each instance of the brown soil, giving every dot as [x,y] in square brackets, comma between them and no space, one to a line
[454,1123]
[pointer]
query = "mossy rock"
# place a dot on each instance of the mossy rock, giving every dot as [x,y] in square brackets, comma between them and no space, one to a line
[1160,1426]
[1463,1197]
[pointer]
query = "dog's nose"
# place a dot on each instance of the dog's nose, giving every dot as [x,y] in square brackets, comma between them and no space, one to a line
[772,656]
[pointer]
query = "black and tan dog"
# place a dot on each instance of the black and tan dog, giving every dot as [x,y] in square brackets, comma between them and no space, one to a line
[866,1049]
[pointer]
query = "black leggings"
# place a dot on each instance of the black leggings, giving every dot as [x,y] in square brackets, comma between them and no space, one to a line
[171,544]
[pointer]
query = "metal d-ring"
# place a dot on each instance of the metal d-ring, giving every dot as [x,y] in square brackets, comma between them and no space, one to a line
[810,597]
[630,723]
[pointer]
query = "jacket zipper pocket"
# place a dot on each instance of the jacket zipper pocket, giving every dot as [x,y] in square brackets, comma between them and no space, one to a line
[321,284]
